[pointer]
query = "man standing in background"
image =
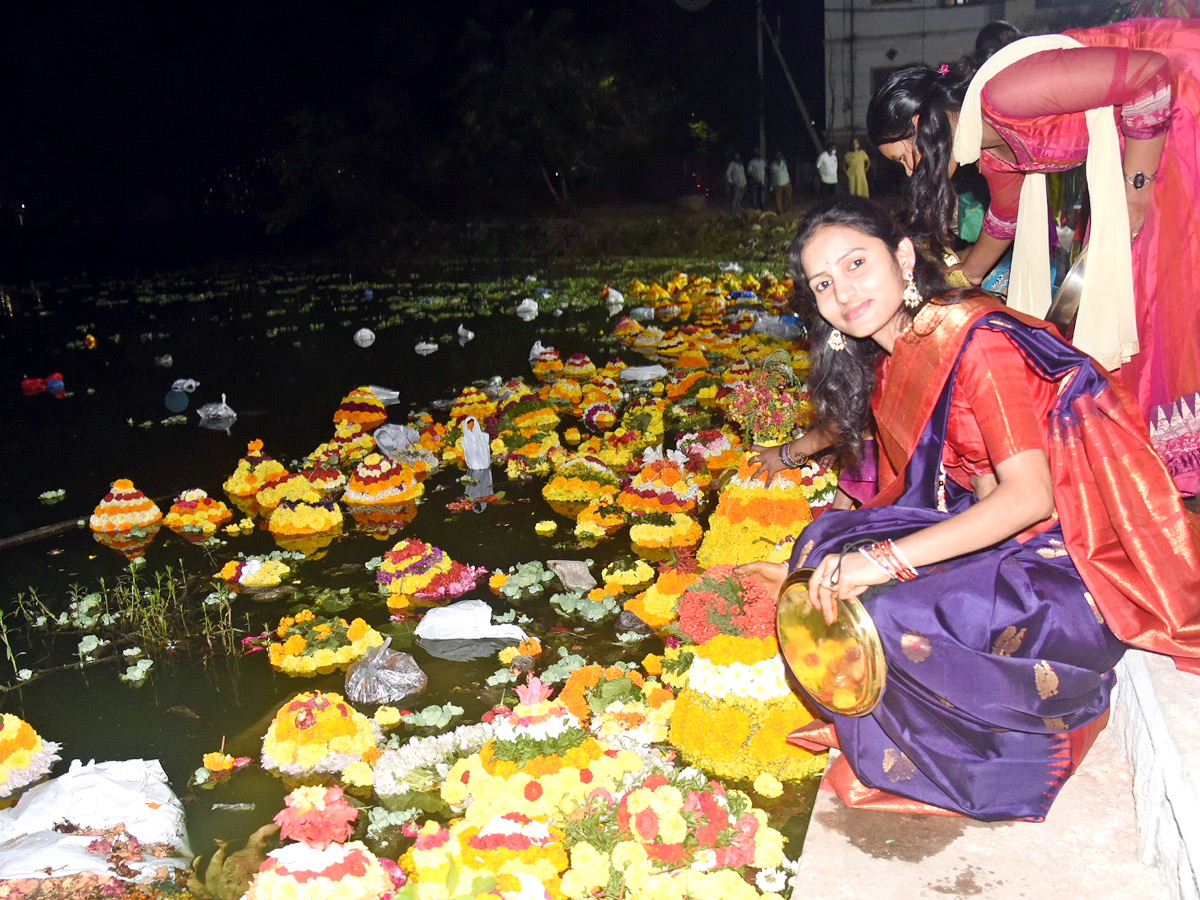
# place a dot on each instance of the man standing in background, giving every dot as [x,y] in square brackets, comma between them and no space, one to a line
[827,171]
[735,177]
[756,173]
[781,183]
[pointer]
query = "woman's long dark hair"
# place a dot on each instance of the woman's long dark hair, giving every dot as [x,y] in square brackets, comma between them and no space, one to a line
[841,381]
[929,198]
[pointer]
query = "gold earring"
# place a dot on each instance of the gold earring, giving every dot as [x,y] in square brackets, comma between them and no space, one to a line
[836,341]
[912,296]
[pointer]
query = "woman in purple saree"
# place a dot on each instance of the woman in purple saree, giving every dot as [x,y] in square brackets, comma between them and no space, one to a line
[1024,534]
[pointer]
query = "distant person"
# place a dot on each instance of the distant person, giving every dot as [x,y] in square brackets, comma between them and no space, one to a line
[992,37]
[827,172]
[857,165]
[781,183]
[735,178]
[756,173]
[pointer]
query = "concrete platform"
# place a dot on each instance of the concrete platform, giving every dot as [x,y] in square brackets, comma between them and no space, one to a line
[1087,847]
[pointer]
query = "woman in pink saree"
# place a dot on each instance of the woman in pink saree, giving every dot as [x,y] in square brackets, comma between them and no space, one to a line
[1042,105]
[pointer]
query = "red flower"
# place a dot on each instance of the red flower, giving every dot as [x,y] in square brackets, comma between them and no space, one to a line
[533,791]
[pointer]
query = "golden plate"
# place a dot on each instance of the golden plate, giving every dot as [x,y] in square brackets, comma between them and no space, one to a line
[841,666]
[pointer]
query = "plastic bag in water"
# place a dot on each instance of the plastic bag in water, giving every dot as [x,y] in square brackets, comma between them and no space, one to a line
[384,676]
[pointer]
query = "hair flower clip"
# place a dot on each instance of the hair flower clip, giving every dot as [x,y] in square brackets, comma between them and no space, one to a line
[943,69]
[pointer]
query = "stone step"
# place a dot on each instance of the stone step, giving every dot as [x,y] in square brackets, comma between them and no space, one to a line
[1088,846]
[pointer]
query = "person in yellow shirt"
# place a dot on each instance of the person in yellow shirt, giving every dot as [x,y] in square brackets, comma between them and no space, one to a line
[857,164]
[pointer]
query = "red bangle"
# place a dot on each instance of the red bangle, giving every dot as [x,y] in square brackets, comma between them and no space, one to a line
[887,557]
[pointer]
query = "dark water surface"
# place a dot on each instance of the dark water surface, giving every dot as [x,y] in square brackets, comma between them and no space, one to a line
[278,345]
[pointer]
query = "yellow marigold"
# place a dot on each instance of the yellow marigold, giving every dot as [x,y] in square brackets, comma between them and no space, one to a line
[767,785]
[497,581]
[530,647]
[358,774]
[305,615]
[652,664]
[387,717]
[546,527]
[294,645]
[218,762]
[507,655]
[284,624]
[358,630]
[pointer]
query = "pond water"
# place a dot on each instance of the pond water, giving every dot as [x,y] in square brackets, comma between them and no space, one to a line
[279,346]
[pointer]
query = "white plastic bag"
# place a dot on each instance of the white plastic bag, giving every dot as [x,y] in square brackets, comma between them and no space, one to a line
[476,445]
[394,439]
[132,792]
[466,620]
[527,309]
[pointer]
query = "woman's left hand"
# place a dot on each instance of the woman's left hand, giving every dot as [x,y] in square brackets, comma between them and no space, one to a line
[828,584]
[1138,203]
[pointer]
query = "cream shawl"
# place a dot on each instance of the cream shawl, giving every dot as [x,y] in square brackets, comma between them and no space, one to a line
[1106,327]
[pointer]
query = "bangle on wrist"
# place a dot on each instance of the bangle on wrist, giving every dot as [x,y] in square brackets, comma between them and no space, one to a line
[888,558]
[1139,179]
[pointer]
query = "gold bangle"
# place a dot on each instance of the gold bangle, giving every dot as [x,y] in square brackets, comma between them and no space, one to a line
[958,278]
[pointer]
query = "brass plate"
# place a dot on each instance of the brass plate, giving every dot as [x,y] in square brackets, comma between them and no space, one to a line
[841,666]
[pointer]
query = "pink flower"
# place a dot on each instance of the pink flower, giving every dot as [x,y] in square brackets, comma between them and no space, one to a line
[316,816]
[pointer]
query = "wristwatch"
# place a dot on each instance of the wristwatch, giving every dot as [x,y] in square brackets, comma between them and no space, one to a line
[1139,179]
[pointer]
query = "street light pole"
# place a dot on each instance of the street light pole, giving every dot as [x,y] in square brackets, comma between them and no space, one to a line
[762,115]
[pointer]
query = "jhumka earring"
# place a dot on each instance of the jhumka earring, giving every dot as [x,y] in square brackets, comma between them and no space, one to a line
[836,341]
[912,296]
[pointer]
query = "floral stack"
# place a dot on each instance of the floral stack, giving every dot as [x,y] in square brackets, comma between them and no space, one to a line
[754,522]
[598,520]
[360,407]
[578,481]
[195,516]
[733,715]
[618,704]
[254,573]
[413,571]
[656,534]
[381,496]
[126,520]
[472,401]
[307,644]
[24,757]
[322,863]
[547,364]
[318,735]
[657,605]
[349,444]
[539,762]
[662,485]
[714,447]
[254,471]
[306,523]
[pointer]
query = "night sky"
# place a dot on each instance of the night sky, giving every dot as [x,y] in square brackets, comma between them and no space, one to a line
[118,112]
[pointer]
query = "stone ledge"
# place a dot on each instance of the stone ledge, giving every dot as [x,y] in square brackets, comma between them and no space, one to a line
[1087,847]
[1156,715]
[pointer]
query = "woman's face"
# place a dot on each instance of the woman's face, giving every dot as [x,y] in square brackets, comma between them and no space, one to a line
[904,152]
[858,281]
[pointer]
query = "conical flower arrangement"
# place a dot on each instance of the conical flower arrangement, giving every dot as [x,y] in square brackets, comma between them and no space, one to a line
[126,520]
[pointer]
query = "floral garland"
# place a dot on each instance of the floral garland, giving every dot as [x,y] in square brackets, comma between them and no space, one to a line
[307,645]
[196,516]
[24,756]
[318,733]
[414,570]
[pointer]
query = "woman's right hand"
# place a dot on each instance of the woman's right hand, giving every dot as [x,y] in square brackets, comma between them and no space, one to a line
[770,574]
[766,461]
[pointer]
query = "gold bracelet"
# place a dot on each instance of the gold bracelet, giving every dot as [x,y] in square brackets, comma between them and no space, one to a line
[958,278]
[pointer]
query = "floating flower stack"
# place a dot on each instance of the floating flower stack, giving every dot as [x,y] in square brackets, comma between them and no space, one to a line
[415,571]
[579,366]
[318,734]
[24,757]
[472,401]
[382,495]
[320,865]
[126,520]
[254,573]
[362,408]
[598,520]
[254,471]
[195,516]
[660,531]
[619,704]
[292,487]
[547,364]
[675,835]
[541,761]
[733,717]
[307,644]
[306,524]
[714,447]
[349,444]
[661,486]
[327,480]
[754,522]
[579,481]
